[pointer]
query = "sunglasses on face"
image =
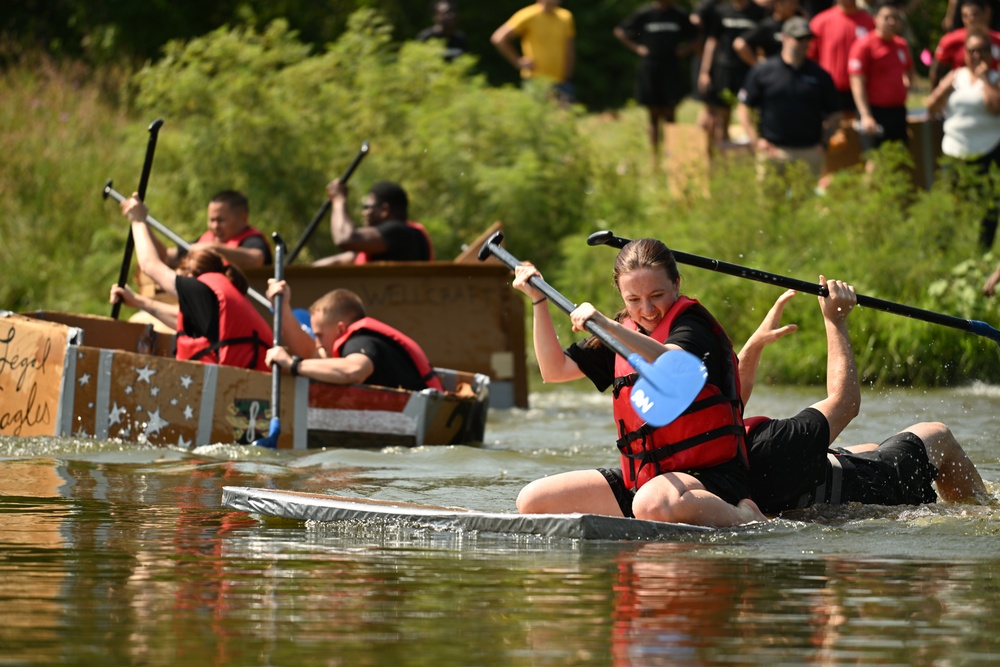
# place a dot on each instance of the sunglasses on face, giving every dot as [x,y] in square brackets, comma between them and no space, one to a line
[979,50]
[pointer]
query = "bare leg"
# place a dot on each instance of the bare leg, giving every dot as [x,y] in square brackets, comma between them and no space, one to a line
[681,498]
[655,138]
[958,480]
[584,491]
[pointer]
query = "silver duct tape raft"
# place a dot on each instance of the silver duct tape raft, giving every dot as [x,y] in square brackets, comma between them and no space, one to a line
[326,508]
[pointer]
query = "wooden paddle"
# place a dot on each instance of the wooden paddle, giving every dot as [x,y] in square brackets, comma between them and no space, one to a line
[971,326]
[147,167]
[665,388]
[325,208]
[181,243]
[271,440]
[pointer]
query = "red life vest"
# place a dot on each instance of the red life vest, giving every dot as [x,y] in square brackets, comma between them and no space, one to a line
[244,336]
[708,433]
[234,241]
[409,345]
[753,422]
[363,257]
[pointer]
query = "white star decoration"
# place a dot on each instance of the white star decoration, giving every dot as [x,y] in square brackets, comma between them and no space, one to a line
[115,417]
[84,379]
[156,423]
[128,390]
[182,443]
[186,381]
[145,373]
[188,412]
[155,391]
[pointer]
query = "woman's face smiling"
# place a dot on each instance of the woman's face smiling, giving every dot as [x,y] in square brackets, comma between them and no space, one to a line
[648,294]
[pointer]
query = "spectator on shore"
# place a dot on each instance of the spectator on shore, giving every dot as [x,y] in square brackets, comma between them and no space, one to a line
[796,99]
[834,32]
[969,96]
[760,43]
[387,235]
[950,51]
[660,34]
[548,51]
[349,347]
[881,70]
[445,28]
[954,19]
[722,71]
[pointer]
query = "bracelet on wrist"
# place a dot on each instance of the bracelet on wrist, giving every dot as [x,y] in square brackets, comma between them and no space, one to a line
[294,368]
[535,303]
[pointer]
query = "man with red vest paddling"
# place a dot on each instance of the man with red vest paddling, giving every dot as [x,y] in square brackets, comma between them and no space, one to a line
[349,347]
[214,320]
[229,235]
[387,235]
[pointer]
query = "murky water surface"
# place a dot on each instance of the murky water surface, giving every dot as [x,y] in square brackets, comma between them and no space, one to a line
[114,554]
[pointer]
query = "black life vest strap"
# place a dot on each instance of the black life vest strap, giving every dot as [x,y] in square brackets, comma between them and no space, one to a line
[677,447]
[253,339]
[620,383]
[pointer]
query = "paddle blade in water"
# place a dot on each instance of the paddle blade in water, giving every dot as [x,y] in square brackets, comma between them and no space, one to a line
[666,387]
[271,439]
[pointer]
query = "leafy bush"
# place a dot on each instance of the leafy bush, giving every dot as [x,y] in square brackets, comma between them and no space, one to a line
[281,124]
[261,112]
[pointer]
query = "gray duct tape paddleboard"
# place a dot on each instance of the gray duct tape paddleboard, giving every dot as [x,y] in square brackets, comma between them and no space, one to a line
[325,508]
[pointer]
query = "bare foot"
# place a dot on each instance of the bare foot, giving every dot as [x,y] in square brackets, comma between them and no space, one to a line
[749,512]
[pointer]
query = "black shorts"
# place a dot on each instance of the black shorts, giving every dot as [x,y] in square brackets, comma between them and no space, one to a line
[897,473]
[894,126]
[725,86]
[787,459]
[730,481]
[659,84]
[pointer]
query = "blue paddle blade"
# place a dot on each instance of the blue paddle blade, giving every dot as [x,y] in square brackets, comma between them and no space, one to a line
[271,439]
[666,387]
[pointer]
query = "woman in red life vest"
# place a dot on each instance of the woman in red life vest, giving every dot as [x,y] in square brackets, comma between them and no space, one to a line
[693,470]
[349,347]
[386,235]
[215,321]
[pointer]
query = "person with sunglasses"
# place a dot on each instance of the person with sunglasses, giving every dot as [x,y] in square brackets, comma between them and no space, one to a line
[796,100]
[969,97]
[387,235]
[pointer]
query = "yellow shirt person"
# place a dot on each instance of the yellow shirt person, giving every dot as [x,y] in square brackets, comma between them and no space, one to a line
[546,32]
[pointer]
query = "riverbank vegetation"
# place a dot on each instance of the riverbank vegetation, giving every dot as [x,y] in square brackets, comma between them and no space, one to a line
[262,112]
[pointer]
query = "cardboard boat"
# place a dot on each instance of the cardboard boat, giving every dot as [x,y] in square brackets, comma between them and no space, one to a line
[95,377]
[326,508]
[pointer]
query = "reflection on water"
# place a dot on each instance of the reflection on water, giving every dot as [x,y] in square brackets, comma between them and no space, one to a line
[115,554]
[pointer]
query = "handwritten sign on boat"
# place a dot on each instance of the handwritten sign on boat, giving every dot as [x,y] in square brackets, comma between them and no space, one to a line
[32,354]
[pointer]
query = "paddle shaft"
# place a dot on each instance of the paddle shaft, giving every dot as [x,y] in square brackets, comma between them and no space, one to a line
[492,246]
[325,208]
[279,274]
[971,326]
[147,167]
[181,243]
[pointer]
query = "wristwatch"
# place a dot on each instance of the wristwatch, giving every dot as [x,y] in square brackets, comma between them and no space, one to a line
[294,368]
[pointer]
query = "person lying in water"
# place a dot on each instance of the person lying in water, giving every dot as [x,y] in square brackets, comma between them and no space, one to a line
[347,346]
[793,463]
